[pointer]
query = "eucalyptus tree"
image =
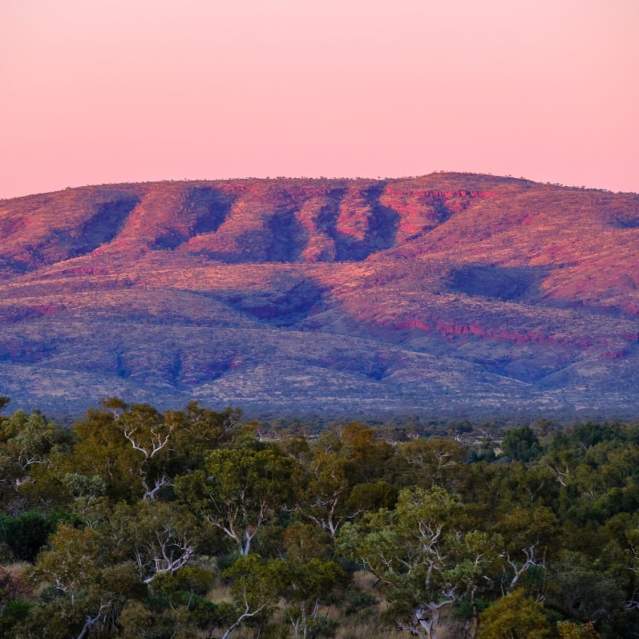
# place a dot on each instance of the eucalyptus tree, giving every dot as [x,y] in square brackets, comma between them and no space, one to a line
[240,491]
[344,476]
[27,443]
[426,558]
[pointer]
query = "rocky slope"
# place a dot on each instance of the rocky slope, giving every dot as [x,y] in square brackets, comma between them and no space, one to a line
[447,294]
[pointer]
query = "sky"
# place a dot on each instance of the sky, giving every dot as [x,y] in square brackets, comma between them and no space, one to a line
[97,91]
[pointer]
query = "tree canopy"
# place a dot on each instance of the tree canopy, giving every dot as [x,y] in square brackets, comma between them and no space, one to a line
[135,522]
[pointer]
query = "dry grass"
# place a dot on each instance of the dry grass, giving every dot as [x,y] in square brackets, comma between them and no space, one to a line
[366,581]
[219,594]
[371,630]
[365,624]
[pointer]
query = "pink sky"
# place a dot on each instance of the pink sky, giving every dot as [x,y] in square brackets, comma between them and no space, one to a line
[98,91]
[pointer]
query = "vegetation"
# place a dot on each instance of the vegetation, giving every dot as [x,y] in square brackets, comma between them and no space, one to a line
[134,523]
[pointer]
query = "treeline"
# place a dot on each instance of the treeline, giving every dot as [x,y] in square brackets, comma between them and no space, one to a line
[191,524]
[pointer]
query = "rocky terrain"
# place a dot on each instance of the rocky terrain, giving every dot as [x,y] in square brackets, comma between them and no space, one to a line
[448,294]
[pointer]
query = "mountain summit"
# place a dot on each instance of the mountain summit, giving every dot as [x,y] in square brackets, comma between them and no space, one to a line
[448,294]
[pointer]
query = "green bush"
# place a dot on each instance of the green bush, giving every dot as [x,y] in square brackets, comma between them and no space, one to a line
[26,534]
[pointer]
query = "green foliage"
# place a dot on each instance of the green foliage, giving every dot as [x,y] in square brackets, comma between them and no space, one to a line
[585,591]
[305,586]
[239,491]
[12,614]
[192,524]
[425,554]
[521,444]
[27,533]
[191,580]
[570,630]
[514,616]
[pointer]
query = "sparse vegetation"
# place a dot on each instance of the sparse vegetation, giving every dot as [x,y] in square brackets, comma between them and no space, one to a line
[450,295]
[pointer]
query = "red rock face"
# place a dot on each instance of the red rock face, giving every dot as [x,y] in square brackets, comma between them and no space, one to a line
[449,293]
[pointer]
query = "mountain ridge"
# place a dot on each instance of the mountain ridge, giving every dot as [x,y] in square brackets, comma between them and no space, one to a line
[447,293]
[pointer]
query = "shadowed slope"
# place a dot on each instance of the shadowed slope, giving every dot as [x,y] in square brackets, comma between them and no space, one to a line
[448,292]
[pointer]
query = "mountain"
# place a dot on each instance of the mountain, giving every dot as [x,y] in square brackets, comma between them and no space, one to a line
[448,294]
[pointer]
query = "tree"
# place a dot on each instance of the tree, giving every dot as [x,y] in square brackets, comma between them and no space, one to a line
[241,490]
[27,440]
[312,536]
[365,453]
[514,616]
[424,557]
[305,586]
[139,451]
[256,586]
[25,534]
[570,630]
[91,587]
[521,444]
[324,500]
[101,449]
[72,562]
[196,431]
[149,434]
[329,496]
[528,533]
[436,461]
[343,477]
[583,590]
[159,538]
